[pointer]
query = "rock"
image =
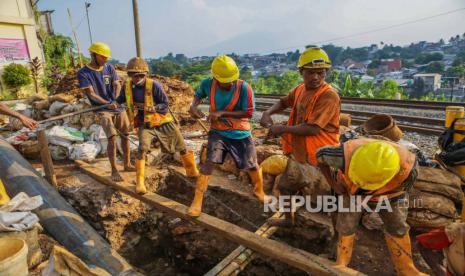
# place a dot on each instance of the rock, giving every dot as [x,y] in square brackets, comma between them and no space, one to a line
[62,97]
[58,152]
[40,105]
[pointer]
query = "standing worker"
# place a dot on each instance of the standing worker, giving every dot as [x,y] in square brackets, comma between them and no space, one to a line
[27,122]
[381,169]
[102,86]
[231,107]
[313,122]
[153,119]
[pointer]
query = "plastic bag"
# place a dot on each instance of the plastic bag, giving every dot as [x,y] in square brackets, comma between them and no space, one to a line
[97,134]
[64,136]
[86,151]
[274,165]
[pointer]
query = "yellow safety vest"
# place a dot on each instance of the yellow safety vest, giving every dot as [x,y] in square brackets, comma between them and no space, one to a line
[154,119]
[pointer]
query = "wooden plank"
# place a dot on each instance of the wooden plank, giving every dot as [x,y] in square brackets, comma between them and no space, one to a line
[46,158]
[292,256]
[223,267]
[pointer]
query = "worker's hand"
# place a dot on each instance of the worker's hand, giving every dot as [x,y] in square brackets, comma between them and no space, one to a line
[113,106]
[195,112]
[266,120]
[214,116]
[277,130]
[28,122]
[151,109]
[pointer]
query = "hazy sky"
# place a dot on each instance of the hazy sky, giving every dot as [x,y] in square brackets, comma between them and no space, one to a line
[208,27]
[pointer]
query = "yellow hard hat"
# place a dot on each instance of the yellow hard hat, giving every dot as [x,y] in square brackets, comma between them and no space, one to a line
[137,65]
[100,48]
[224,69]
[314,58]
[373,165]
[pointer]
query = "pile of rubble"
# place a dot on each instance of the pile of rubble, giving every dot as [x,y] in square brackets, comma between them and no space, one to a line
[78,136]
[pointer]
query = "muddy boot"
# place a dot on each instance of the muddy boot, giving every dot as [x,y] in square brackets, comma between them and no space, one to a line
[344,250]
[188,162]
[196,206]
[288,221]
[140,176]
[257,180]
[401,255]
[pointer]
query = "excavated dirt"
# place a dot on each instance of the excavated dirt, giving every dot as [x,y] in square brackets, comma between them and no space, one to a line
[158,243]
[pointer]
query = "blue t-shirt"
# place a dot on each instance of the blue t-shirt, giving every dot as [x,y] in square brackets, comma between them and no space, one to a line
[101,81]
[160,99]
[245,103]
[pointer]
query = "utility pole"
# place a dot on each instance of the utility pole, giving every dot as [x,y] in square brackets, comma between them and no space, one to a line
[135,11]
[88,22]
[75,38]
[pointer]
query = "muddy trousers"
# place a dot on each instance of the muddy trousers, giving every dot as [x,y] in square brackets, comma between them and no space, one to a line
[396,235]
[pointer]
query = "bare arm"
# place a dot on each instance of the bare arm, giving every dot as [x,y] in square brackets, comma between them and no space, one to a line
[303,130]
[91,93]
[117,85]
[193,110]
[26,121]
[276,108]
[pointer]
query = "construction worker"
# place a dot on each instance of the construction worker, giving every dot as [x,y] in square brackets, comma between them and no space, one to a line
[147,105]
[231,106]
[380,169]
[449,239]
[102,86]
[27,122]
[313,122]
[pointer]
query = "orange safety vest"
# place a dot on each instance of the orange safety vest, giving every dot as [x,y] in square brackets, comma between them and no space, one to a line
[225,123]
[313,142]
[394,187]
[154,119]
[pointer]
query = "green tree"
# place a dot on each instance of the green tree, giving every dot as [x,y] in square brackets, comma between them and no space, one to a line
[456,71]
[164,68]
[56,51]
[287,81]
[435,67]
[387,90]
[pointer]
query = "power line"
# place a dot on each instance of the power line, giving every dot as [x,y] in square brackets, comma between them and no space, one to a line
[373,30]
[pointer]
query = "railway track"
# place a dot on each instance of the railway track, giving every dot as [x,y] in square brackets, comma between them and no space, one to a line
[411,104]
[417,124]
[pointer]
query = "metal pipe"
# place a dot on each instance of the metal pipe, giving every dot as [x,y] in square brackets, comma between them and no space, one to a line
[88,22]
[56,215]
[135,11]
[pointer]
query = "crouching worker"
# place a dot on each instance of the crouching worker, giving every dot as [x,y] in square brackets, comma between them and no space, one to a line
[231,106]
[147,105]
[383,170]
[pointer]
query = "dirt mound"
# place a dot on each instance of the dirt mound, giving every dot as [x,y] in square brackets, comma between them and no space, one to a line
[179,93]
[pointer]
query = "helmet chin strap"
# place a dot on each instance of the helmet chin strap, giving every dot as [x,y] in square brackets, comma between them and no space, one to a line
[141,82]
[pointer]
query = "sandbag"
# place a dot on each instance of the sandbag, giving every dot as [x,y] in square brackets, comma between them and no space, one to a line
[58,153]
[64,136]
[35,98]
[56,107]
[435,203]
[30,149]
[87,119]
[40,105]
[425,219]
[65,98]
[437,181]
[274,165]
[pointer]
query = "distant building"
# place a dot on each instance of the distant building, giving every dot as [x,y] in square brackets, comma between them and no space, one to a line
[390,65]
[432,82]
[18,37]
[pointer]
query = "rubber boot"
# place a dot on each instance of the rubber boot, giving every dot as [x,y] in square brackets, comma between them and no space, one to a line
[188,161]
[4,198]
[345,246]
[401,255]
[140,176]
[196,206]
[257,180]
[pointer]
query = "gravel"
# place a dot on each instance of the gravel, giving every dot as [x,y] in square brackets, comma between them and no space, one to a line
[435,114]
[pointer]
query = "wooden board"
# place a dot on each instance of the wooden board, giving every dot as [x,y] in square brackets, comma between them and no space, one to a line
[292,256]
